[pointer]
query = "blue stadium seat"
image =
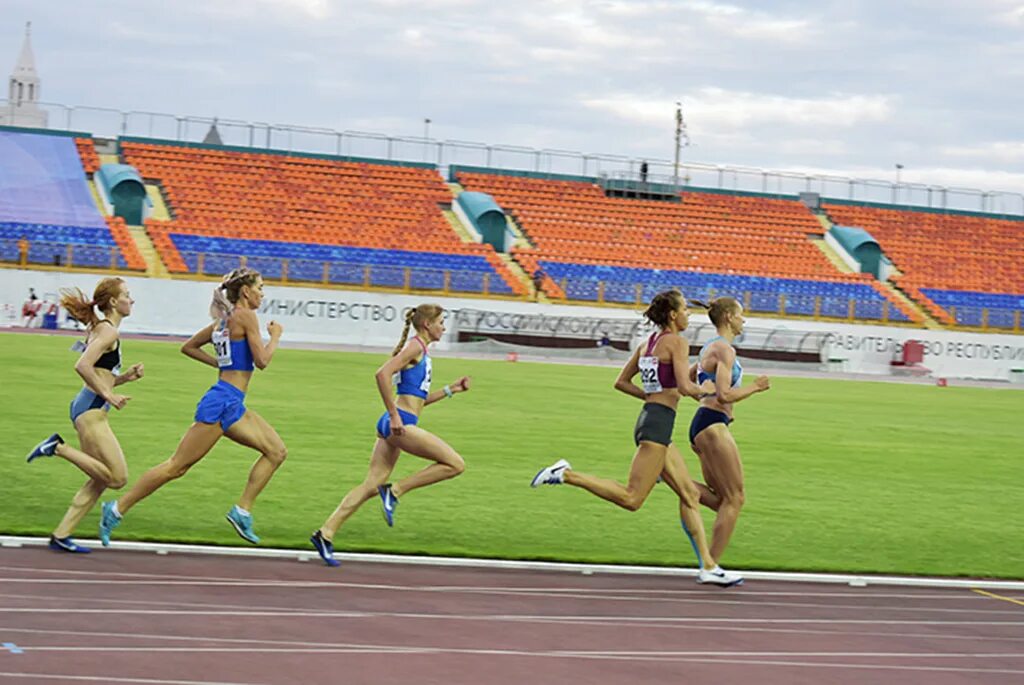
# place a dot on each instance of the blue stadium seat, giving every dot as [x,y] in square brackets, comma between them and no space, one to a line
[346,265]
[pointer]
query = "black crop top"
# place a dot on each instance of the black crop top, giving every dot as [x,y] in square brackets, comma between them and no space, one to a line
[112,359]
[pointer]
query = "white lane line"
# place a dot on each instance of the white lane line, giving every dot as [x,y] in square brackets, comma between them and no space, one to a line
[579,653]
[495,617]
[155,602]
[738,662]
[260,641]
[115,679]
[745,591]
[776,659]
[536,566]
[709,597]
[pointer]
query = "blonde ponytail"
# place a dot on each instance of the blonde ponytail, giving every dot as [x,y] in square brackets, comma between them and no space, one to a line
[220,307]
[225,296]
[409,315]
[416,318]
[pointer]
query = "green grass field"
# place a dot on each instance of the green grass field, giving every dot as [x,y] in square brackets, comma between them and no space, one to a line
[841,476]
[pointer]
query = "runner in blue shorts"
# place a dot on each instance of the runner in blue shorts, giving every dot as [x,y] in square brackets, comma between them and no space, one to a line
[410,369]
[99,365]
[239,348]
[710,438]
[663,365]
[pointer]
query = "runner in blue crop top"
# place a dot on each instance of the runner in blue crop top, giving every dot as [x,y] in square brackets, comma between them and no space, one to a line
[710,437]
[238,348]
[410,370]
[662,363]
[99,366]
[737,369]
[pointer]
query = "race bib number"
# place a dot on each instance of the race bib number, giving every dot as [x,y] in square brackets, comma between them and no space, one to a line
[428,373]
[221,340]
[649,375]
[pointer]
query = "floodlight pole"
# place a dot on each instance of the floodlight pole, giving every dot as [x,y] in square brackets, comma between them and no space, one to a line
[679,142]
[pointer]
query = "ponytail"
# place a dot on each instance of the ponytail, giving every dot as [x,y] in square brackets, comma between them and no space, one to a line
[416,318]
[409,315]
[225,295]
[83,310]
[719,308]
[663,304]
[220,307]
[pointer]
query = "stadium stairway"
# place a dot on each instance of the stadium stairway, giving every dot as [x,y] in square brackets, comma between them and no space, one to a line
[457,226]
[522,242]
[832,256]
[894,292]
[520,273]
[96,197]
[154,265]
[513,266]
[160,211]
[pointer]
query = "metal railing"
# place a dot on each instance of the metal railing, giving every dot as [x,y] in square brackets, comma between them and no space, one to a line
[64,255]
[107,122]
[459,282]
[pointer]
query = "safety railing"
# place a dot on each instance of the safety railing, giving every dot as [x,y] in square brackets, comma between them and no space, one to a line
[65,255]
[107,122]
[459,282]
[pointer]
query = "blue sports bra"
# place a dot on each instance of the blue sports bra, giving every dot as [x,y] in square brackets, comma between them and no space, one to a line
[702,375]
[415,380]
[232,355]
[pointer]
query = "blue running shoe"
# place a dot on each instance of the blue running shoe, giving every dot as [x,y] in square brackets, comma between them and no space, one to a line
[242,523]
[324,548]
[46,448]
[388,503]
[108,522]
[67,545]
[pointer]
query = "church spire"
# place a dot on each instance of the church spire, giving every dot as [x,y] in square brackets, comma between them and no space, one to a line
[23,90]
[25,69]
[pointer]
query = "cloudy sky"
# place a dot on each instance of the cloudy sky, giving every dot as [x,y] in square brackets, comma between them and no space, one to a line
[848,87]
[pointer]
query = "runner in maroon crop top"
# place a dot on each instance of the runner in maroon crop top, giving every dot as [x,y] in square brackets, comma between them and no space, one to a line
[664,368]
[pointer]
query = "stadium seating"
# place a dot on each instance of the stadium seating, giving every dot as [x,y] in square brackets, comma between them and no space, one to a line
[708,243]
[268,207]
[950,263]
[44,199]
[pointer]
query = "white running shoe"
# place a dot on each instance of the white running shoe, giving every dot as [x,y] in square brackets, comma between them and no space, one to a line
[719,576]
[551,475]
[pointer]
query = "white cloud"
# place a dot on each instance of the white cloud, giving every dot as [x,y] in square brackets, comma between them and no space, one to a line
[315,9]
[717,109]
[1002,152]
[1014,16]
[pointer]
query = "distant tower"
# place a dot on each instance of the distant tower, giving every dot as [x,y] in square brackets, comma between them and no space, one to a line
[23,91]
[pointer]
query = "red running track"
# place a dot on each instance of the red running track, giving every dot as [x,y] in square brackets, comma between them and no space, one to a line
[132,617]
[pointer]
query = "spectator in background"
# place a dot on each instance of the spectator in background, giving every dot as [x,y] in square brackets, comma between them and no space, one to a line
[538,284]
[23,252]
[30,310]
[643,172]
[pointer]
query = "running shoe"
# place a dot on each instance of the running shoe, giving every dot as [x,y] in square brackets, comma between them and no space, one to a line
[67,545]
[719,576]
[551,475]
[46,448]
[388,503]
[324,548]
[108,522]
[242,523]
